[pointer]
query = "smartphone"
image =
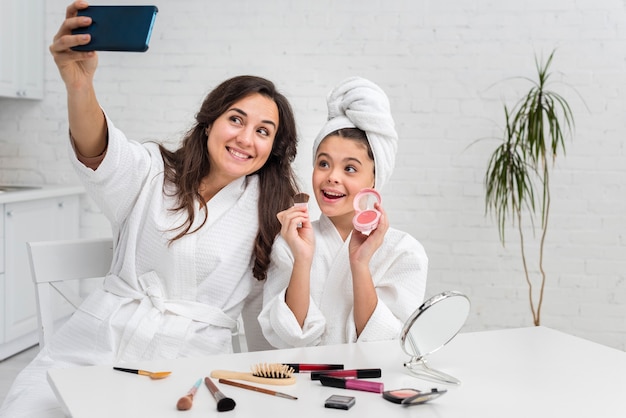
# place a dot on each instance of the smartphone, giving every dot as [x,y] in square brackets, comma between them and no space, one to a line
[339,402]
[118,28]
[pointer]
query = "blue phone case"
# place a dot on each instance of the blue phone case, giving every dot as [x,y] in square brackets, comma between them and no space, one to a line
[118,28]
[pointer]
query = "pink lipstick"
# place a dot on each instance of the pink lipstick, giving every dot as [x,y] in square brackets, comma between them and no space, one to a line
[355,384]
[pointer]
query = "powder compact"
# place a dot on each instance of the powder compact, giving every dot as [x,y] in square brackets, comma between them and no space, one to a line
[366,217]
[410,397]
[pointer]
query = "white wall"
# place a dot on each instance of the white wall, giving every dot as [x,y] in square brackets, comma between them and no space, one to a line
[445,66]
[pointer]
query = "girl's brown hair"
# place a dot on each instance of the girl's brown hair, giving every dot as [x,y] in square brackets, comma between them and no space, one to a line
[356,135]
[187,166]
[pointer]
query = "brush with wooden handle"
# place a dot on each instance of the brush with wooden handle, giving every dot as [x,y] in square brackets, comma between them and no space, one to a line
[269,374]
[256,389]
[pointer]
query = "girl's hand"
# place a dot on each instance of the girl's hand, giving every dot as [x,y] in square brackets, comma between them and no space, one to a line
[362,247]
[297,231]
[76,68]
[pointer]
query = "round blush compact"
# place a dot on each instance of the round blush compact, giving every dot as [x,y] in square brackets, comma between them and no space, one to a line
[366,218]
[398,395]
[410,397]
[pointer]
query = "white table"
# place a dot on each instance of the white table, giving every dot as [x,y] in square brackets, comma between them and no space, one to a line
[527,372]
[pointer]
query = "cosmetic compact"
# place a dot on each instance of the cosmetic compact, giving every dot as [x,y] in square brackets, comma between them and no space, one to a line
[410,397]
[366,218]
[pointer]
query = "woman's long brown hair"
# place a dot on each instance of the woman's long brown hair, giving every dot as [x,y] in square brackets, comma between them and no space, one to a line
[188,165]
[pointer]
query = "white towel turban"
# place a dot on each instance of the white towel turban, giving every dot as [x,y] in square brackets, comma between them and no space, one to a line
[359,103]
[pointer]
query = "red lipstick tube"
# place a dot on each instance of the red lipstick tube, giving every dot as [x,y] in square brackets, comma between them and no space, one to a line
[355,384]
[297,367]
[354,373]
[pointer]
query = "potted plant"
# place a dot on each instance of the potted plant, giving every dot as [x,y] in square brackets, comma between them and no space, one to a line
[517,181]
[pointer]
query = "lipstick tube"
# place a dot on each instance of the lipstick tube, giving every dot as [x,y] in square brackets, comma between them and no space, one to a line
[303,367]
[355,384]
[354,373]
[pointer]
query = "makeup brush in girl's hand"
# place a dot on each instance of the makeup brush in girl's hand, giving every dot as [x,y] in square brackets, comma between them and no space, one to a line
[224,403]
[186,401]
[300,199]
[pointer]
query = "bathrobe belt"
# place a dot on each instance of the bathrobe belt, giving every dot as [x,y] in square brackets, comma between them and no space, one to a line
[143,325]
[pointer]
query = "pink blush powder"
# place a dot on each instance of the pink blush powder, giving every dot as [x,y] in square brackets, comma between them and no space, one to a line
[366,216]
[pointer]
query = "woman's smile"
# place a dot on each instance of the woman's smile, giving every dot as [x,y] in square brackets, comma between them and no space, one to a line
[238,154]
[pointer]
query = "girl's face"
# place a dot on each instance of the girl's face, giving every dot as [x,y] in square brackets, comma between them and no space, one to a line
[342,168]
[241,139]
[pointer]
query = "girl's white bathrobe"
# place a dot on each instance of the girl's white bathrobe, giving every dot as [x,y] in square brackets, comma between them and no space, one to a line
[161,300]
[398,269]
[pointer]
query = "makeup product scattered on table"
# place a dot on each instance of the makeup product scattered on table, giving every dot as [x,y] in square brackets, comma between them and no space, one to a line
[355,384]
[186,401]
[300,199]
[151,375]
[356,373]
[410,397]
[304,367]
[340,402]
[256,389]
[366,218]
[224,403]
[269,374]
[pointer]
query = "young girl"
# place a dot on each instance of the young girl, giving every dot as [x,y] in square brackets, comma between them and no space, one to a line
[328,283]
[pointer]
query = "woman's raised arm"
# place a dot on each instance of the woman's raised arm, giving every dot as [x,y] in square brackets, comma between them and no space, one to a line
[77,69]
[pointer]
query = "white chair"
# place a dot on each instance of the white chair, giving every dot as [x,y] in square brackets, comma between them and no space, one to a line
[65,266]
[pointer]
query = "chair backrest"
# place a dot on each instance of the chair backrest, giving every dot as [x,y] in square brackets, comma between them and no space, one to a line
[62,266]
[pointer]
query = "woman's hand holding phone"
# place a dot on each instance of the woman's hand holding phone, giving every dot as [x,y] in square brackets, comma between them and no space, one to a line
[76,68]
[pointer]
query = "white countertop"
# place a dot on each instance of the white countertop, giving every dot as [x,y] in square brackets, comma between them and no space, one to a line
[40,192]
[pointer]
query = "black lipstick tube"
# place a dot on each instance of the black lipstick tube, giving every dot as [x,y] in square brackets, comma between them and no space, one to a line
[355,373]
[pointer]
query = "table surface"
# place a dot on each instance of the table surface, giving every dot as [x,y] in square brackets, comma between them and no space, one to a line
[523,372]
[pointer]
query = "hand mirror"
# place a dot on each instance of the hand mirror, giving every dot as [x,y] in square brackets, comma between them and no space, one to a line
[431,327]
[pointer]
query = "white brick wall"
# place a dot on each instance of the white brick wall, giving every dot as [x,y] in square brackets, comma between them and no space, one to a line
[445,67]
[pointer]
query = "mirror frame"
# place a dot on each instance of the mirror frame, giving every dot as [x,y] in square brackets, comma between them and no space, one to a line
[417,364]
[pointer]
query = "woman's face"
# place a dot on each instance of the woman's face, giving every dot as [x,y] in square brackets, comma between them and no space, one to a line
[342,168]
[241,139]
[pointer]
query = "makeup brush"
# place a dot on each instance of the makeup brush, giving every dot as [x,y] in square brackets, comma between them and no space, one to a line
[256,389]
[269,374]
[300,199]
[151,375]
[186,401]
[224,403]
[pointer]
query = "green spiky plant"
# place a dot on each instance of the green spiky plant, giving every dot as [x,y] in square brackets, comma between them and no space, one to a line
[520,166]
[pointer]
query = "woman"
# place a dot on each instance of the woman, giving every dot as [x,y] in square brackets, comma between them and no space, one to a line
[188,225]
[329,283]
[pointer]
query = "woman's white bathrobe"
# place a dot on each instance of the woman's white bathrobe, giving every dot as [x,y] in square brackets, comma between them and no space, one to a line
[398,269]
[159,300]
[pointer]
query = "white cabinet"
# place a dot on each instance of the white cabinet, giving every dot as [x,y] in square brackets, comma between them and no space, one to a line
[37,219]
[22,48]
